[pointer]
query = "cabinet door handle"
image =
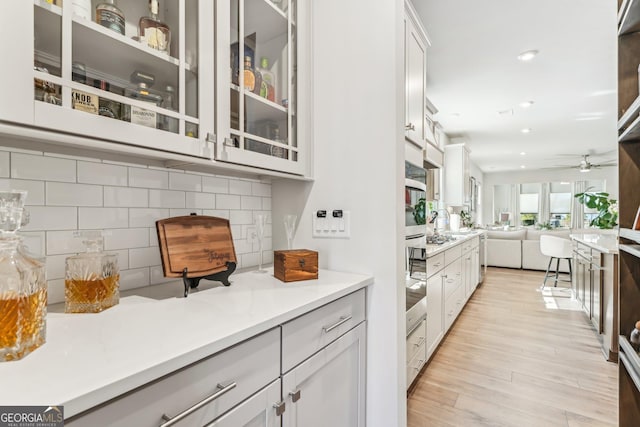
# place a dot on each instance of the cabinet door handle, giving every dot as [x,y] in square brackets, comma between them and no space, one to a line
[343,319]
[295,395]
[280,408]
[419,343]
[222,389]
[437,264]
[410,126]
[449,280]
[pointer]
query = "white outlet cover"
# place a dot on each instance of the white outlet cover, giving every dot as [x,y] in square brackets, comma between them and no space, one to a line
[330,227]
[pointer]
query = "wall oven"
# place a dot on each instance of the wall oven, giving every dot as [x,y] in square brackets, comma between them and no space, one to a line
[415,283]
[415,193]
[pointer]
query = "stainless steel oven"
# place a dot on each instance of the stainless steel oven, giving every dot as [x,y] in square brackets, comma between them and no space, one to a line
[415,283]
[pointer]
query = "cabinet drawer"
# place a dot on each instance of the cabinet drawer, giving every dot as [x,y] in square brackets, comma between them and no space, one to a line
[415,364]
[453,278]
[416,339]
[309,333]
[452,254]
[435,264]
[251,365]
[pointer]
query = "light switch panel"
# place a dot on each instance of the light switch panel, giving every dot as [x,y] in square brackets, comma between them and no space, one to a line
[331,223]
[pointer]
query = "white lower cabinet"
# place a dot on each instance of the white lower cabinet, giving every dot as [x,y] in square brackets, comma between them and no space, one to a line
[257,411]
[435,320]
[328,388]
[250,365]
[307,372]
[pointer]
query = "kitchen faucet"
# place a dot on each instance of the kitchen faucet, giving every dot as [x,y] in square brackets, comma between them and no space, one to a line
[434,217]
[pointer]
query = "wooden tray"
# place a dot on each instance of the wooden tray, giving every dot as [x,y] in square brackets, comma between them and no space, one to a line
[201,244]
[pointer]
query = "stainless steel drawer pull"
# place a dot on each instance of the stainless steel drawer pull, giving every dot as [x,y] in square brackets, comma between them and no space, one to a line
[295,395]
[419,343]
[280,408]
[437,264]
[343,319]
[410,126]
[222,389]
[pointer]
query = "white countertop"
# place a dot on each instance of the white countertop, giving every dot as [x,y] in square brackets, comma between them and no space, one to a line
[606,243]
[91,358]
[432,249]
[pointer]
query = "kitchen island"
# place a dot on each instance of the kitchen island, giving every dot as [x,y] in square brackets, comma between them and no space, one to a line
[595,285]
[89,359]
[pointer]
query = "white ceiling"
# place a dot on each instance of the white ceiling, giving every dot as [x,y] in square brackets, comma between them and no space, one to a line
[472,70]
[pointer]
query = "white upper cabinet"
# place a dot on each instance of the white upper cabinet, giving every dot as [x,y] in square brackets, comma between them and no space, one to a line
[161,81]
[457,184]
[258,117]
[415,51]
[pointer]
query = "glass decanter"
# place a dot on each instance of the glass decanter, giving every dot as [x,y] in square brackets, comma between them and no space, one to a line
[92,279]
[23,286]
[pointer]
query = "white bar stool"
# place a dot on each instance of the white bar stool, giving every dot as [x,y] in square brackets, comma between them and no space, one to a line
[556,248]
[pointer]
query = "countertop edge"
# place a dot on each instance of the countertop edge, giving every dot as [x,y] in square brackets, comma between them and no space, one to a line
[441,248]
[580,238]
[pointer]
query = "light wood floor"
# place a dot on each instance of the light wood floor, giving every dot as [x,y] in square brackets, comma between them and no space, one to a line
[516,358]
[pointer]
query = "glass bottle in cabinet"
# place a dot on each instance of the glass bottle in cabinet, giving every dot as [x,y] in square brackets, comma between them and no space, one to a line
[153,32]
[23,287]
[110,16]
[142,92]
[262,63]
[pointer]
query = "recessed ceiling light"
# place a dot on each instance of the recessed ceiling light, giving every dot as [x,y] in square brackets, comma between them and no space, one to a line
[522,166]
[454,114]
[508,112]
[526,104]
[526,130]
[523,153]
[527,55]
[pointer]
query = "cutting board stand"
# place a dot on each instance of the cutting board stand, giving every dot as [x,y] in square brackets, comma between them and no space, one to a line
[222,276]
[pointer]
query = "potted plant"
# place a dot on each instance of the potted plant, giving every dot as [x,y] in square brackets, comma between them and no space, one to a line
[607,208]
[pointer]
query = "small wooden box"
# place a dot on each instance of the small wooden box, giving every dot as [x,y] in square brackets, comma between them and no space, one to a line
[295,264]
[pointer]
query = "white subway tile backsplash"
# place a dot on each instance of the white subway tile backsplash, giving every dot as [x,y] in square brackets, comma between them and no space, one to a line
[148,178]
[157,276]
[55,291]
[63,242]
[144,257]
[34,241]
[250,202]
[261,189]
[267,257]
[5,168]
[266,245]
[153,237]
[63,194]
[126,196]
[34,189]
[266,204]
[101,173]
[240,187]
[26,166]
[134,278]
[142,217]
[227,201]
[220,213]
[44,218]
[241,217]
[184,181]
[126,238]
[184,212]
[101,218]
[200,200]
[67,193]
[166,199]
[56,266]
[214,184]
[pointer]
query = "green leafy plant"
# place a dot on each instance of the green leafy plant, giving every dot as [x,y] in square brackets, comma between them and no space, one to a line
[420,212]
[607,208]
[466,219]
[544,226]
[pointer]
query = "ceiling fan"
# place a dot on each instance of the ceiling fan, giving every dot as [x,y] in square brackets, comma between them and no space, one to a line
[585,165]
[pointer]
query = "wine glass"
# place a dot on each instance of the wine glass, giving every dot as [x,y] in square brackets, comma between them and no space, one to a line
[260,221]
[289,227]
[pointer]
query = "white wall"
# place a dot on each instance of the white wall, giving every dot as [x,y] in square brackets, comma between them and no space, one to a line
[609,174]
[67,193]
[358,118]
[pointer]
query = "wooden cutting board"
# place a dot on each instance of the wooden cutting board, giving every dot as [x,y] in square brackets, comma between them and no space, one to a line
[202,244]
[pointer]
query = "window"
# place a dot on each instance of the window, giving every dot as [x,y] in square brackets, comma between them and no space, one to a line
[560,199]
[529,209]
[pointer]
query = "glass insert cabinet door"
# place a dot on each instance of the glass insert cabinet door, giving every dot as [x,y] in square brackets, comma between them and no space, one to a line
[125,71]
[257,120]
